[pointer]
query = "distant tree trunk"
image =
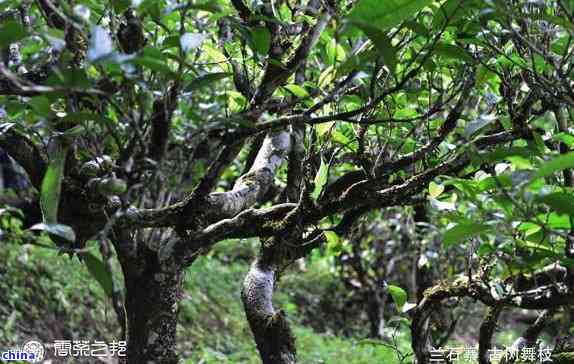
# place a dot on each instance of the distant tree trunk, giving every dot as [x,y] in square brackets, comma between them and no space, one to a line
[375,311]
[152,294]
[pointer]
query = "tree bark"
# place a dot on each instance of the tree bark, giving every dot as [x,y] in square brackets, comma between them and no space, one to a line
[487,330]
[420,326]
[152,294]
[375,309]
[273,336]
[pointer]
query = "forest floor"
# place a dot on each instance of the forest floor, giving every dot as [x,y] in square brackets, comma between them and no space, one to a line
[47,296]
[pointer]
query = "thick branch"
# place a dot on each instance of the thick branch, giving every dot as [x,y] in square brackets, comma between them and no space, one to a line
[487,330]
[251,187]
[163,108]
[242,9]
[273,336]
[528,338]
[25,153]
[276,76]
[247,191]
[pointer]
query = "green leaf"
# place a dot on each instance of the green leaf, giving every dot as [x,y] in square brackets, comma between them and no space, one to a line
[450,11]
[565,138]
[384,46]
[558,221]
[417,27]
[485,249]
[453,51]
[435,190]
[41,105]
[335,52]
[554,165]
[205,80]
[398,294]
[461,232]
[333,241]
[152,7]
[74,132]
[342,139]
[561,202]
[98,270]
[320,179]
[52,184]
[154,64]
[121,5]
[406,113]
[386,14]
[10,32]
[297,90]
[503,153]
[60,230]
[70,78]
[260,40]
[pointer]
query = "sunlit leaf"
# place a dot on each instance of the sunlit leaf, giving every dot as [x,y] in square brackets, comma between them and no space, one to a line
[297,90]
[191,41]
[462,232]
[556,164]
[335,52]
[101,45]
[60,230]
[435,190]
[408,306]
[333,242]
[398,294]
[320,179]
[383,15]
[406,113]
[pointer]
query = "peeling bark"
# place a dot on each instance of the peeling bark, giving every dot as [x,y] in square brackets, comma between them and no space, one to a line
[420,334]
[273,336]
[252,186]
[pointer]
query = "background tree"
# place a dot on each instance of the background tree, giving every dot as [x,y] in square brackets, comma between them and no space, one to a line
[161,128]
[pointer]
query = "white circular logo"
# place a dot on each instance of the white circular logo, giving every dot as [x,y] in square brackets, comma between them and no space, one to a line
[36,348]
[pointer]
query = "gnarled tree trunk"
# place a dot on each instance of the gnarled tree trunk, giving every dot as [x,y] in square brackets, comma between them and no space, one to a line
[152,294]
[273,336]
